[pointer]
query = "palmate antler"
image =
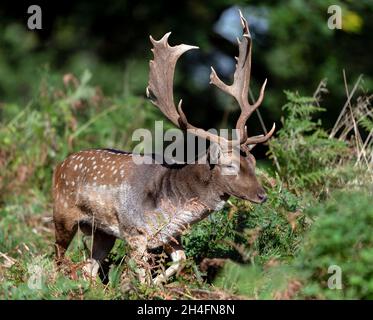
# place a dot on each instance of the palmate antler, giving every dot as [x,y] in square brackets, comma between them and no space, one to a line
[160,88]
[240,87]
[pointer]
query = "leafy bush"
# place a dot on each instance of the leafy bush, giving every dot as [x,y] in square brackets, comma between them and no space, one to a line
[246,232]
[342,236]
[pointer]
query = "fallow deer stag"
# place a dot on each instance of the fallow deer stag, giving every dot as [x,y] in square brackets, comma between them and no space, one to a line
[105,194]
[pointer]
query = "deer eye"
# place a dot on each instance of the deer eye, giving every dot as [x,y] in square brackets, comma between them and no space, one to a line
[231,166]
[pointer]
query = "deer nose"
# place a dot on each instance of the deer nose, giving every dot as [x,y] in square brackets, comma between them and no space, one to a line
[262,196]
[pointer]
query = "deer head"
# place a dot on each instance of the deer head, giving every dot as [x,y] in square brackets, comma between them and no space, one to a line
[233,170]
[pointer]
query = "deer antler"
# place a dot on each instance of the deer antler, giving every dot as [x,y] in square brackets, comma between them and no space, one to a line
[162,69]
[240,87]
[160,88]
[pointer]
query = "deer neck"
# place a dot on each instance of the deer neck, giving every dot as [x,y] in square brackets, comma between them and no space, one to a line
[193,184]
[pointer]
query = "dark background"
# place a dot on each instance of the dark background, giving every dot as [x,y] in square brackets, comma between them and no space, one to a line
[293,48]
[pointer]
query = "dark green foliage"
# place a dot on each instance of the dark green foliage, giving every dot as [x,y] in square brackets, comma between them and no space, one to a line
[293,47]
[250,232]
[342,236]
[339,239]
[306,156]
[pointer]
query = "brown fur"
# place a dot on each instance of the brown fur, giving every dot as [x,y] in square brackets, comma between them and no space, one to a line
[107,194]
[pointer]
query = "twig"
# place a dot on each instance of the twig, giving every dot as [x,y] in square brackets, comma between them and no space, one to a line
[10,260]
[321,88]
[264,128]
[349,97]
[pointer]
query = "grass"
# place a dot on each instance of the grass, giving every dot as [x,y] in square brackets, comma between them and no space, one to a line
[319,211]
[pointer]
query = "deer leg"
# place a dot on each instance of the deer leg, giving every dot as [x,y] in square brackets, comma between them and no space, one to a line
[64,233]
[178,256]
[140,255]
[101,246]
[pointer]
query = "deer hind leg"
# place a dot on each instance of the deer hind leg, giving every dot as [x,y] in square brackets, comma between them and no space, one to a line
[178,257]
[65,230]
[102,243]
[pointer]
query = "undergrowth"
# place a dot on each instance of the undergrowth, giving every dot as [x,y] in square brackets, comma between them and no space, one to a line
[307,158]
[318,213]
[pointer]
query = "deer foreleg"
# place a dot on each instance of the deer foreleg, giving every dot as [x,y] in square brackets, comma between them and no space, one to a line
[102,244]
[140,256]
[178,256]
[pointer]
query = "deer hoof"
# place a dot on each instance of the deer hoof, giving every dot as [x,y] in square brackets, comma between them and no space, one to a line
[158,280]
[91,268]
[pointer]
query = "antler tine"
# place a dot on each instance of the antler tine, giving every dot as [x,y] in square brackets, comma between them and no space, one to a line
[184,124]
[262,138]
[160,88]
[240,87]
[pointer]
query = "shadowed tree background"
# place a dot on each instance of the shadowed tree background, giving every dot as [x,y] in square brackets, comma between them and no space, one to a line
[293,48]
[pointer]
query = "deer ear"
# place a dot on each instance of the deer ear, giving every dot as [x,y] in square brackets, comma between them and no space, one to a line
[251,146]
[214,153]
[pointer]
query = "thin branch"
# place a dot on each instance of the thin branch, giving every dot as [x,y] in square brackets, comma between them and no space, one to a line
[349,97]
